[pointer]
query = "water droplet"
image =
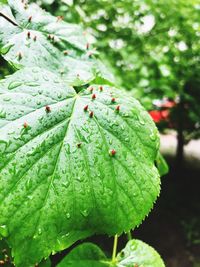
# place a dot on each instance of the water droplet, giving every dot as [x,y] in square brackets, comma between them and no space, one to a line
[2,114]
[6,48]
[153,135]
[65,184]
[141,120]
[68,215]
[68,148]
[6,98]
[32,84]
[14,84]
[85,213]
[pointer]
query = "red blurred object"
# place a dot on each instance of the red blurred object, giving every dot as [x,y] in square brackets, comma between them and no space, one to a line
[159,115]
[163,113]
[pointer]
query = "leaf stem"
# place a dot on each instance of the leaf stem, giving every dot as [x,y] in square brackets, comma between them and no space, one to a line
[8,19]
[129,236]
[114,248]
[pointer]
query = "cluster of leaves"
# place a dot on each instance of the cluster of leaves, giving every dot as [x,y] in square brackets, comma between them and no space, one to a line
[152,46]
[77,154]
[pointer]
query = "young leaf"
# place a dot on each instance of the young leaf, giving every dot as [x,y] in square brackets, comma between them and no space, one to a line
[138,253]
[85,255]
[135,254]
[29,36]
[71,164]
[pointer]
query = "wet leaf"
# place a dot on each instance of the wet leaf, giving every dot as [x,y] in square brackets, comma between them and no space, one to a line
[135,254]
[85,255]
[29,36]
[139,254]
[72,164]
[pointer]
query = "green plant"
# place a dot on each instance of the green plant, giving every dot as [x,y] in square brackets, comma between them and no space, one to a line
[153,48]
[77,154]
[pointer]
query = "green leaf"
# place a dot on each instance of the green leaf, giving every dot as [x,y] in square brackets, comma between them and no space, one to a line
[138,253]
[135,254]
[29,36]
[65,174]
[161,164]
[85,255]
[45,263]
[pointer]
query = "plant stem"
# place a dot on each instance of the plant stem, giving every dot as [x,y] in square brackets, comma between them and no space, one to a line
[129,236]
[114,248]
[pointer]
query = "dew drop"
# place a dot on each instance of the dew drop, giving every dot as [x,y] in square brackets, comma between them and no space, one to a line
[5,49]
[68,215]
[13,85]
[85,212]
[2,114]
[7,98]
[65,184]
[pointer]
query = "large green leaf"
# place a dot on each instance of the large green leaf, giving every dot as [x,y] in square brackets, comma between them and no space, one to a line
[29,36]
[135,254]
[66,173]
[138,253]
[85,255]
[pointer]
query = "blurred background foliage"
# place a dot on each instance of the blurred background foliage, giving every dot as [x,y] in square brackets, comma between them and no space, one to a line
[152,47]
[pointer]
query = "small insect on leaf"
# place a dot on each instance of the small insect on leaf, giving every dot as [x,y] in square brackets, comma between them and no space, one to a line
[59,18]
[25,125]
[117,108]
[93,96]
[47,109]
[113,100]
[19,56]
[78,145]
[29,19]
[87,46]
[91,114]
[34,38]
[91,89]
[100,88]
[28,35]
[65,52]
[112,152]
[85,108]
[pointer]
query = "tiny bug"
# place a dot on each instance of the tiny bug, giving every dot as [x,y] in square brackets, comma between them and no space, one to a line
[85,108]
[112,152]
[78,145]
[93,96]
[47,109]
[25,125]
[117,108]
